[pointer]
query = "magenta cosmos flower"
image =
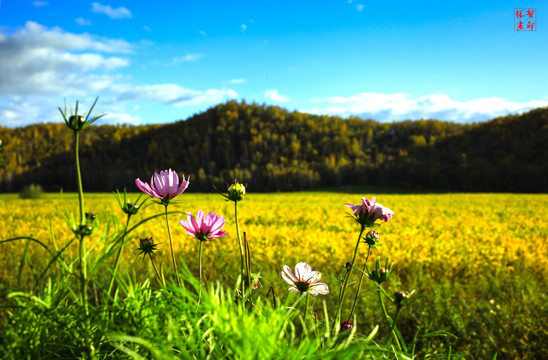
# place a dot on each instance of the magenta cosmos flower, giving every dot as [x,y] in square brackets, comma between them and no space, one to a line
[304,279]
[368,212]
[204,227]
[163,186]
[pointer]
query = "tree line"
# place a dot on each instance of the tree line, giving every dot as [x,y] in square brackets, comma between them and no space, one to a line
[273,149]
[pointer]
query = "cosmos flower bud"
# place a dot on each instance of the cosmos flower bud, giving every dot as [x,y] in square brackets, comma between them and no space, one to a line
[130,208]
[236,191]
[79,122]
[346,326]
[380,274]
[402,297]
[372,238]
[146,246]
[85,229]
[76,122]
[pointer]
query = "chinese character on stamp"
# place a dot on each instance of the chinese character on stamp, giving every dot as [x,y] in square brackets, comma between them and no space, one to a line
[525,19]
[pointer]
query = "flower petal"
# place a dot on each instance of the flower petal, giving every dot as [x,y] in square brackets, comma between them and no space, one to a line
[314,277]
[144,187]
[217,223]
[294,290]
[289,275]
[173,183]
[183,186]
[318,288]
[302,270]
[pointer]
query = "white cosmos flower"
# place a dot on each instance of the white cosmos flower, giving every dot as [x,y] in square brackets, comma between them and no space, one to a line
[303,279]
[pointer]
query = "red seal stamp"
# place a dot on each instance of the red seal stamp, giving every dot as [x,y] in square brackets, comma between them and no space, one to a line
[525,19]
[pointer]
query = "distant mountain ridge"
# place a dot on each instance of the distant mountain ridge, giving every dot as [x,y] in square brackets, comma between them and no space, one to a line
[273,149]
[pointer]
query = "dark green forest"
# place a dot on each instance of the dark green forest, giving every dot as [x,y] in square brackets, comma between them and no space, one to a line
[272,149]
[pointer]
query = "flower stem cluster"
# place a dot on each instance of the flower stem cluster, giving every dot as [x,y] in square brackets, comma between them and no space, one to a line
[236,192]
[77,123]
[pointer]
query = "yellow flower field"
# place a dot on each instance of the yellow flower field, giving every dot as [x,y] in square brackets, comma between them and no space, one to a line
[458,234]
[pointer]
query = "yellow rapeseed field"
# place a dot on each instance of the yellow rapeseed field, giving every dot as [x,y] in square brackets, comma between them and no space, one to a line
[457,234]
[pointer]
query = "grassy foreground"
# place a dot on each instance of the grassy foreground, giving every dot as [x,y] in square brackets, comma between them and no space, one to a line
[478,263]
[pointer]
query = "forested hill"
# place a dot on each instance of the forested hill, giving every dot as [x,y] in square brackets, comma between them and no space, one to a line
[272,149]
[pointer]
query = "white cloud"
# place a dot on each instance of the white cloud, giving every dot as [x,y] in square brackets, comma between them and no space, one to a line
[243,27]
[274,96]
[147,28]
[188,57]
[400,106]
[359,7]
[34,35]
[40,65]
[175,95]
[83,22]
[118,13]
[119,118]
[37,61]
[237,81]
[39,3]
[203,33]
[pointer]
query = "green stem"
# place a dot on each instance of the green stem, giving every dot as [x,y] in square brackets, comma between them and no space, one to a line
[242,261]
[200,261]
[305,328]
[82,253]
[79,178]
[387,317]
[392,332]
[172,252]
[201,284]
[348,271]
[155,268]
[247,261]
[83,274]
[306,305]
[118,255]
[359,285]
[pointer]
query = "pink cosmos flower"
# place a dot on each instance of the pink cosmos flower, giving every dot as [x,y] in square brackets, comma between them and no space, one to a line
[164,186]
[304,279]
[369,212]
[204,227]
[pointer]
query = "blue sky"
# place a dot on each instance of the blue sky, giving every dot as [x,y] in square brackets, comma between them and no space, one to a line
[159,62]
